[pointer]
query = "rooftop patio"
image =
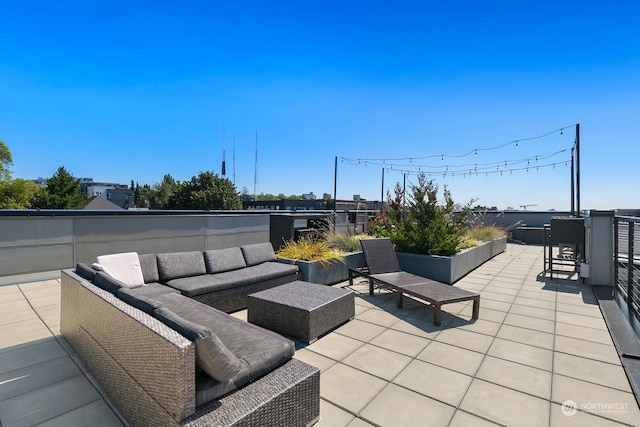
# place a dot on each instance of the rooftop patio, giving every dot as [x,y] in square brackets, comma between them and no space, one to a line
[537,344]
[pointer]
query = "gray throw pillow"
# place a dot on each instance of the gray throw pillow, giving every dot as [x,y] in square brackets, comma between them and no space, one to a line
[212,356]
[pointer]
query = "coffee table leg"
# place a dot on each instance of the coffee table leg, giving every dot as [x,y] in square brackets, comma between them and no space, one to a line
[476,307]
[436,314]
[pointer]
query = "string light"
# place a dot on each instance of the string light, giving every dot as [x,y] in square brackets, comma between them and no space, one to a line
[449,170]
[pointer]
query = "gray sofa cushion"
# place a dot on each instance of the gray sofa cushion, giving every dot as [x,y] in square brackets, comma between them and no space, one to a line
[259,350]
[258,253]
[191,286]
[108,283]
[211,354]
[144,297]
[141,302]
[149,266]
[180,264]
[86,272]
[221,260]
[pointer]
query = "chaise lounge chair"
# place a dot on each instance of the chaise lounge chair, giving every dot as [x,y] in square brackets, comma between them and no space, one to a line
[383,267]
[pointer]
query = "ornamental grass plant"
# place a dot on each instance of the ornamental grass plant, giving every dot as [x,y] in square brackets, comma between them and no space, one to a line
[308,249]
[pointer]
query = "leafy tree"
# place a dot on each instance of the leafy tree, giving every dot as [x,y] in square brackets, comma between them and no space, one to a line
[206,191]
[18,193]
[6,160]
[62,192]
[160,193]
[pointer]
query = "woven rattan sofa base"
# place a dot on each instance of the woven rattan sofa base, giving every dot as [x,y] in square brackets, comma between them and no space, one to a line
[148,370]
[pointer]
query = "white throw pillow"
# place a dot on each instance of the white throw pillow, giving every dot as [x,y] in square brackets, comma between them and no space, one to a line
[124,267]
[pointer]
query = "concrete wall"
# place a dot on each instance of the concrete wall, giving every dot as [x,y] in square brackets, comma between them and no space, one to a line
[32,244]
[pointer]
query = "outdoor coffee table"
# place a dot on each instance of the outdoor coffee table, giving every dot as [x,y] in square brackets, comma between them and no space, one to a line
[300,309]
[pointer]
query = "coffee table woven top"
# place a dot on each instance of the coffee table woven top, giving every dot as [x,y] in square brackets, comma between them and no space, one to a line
[302,295]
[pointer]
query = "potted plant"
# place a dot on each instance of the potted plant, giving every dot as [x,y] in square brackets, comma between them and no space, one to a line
[431,239]
[324,259]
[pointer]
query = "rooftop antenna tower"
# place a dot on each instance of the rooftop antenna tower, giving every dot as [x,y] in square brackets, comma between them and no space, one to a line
[224,169]
[255,173]
[234,158]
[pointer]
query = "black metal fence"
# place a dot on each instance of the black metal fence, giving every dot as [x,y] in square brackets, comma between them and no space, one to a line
[627,261]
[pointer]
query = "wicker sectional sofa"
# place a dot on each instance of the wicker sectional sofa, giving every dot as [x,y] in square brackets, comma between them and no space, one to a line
[166,358]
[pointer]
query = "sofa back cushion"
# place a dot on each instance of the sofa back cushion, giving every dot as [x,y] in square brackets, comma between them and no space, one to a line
[86,272]
[149,266]
[180,264]
[108,283]
[258,253]
[212,356]
[124,267]
[221,260]
[138,300]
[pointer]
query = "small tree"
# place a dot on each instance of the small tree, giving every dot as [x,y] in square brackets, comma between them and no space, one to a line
[62,192]
[161,192]
[424,226]
[18,193]
[206,191]
[6,160]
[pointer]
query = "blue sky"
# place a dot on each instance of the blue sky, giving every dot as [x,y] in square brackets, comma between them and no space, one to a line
[122,90]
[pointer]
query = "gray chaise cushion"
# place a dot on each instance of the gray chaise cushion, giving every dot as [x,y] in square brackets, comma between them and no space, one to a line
[191,286]
[221,260]
[108,283]
[144,297]
[86,272]
[149,266]
[180,264]
[258,253]
[259,350]
[211,354]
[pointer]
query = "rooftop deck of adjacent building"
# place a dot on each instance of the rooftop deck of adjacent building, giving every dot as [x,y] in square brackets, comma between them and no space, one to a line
[538,344]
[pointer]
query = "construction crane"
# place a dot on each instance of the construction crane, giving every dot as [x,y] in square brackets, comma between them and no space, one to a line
[526,206]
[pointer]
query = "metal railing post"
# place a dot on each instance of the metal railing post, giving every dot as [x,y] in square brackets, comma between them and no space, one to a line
[630,265]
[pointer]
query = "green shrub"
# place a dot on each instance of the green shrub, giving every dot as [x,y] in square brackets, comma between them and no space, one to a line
[424,226]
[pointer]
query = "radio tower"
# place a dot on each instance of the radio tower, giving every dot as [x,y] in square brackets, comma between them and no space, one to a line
[255,173]
[224,168]
[234,158]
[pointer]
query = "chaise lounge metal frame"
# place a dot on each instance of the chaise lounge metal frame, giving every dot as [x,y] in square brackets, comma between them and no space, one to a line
[382,266]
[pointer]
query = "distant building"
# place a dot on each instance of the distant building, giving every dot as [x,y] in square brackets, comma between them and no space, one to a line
[285,204]
[122,197]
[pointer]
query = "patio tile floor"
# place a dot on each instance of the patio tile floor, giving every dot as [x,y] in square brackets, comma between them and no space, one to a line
[537,344]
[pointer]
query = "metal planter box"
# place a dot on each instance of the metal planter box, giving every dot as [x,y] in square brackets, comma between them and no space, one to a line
[450,269]
[334,272]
